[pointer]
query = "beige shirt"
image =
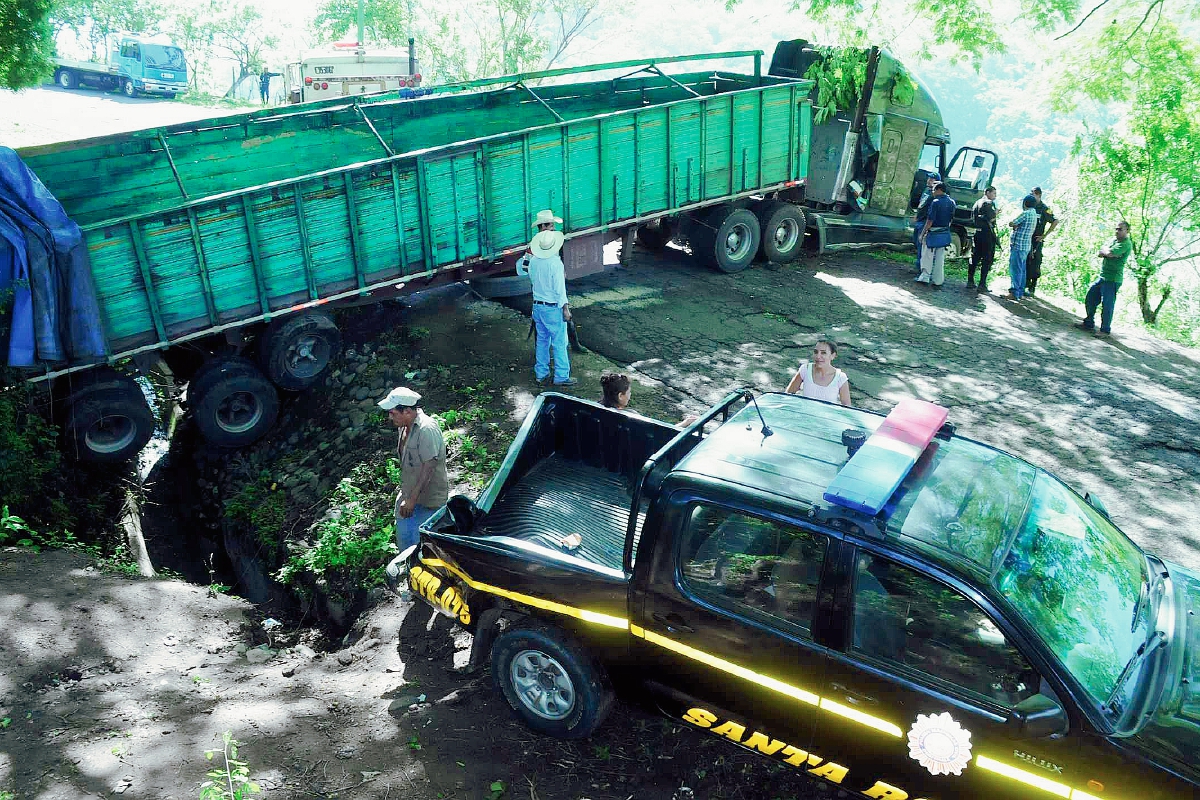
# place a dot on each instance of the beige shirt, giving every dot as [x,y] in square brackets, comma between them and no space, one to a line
[424,443]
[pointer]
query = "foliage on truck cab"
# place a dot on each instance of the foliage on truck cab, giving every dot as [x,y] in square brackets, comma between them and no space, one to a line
[840,74]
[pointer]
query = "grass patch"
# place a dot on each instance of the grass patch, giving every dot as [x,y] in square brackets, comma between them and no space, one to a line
[261,506]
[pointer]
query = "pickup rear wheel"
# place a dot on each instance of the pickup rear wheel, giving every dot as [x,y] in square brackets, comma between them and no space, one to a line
[296,350]
[550,681]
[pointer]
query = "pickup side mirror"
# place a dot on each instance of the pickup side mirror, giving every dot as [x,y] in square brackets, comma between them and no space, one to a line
[1096,503]
[1038,717]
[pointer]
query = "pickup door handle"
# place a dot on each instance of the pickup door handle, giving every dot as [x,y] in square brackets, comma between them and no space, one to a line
[853,698]
[674,623]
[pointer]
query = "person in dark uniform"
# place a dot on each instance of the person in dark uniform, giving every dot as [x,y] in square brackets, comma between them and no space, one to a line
[983,251]
[264,84]
[1046,223]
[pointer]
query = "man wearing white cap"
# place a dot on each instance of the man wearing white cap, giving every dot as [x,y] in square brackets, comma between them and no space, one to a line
[424,485]
[550,309]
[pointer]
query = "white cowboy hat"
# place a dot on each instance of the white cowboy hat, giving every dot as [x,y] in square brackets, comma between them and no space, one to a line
[402,397]
[546,244]
[546,215]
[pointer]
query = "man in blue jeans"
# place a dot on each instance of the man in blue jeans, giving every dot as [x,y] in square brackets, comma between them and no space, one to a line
[551,311]
[424,485]
[1104,290]
[1022,241]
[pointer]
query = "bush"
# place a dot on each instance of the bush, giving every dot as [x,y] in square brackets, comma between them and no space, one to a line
[262,506]
[352,548]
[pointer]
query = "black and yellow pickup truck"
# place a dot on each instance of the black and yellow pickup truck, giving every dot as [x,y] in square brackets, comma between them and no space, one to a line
[874,601]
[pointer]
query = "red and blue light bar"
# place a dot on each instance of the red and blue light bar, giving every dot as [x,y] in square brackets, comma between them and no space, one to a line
[873,474]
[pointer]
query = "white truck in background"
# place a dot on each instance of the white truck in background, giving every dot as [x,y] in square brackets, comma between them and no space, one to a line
[348,70]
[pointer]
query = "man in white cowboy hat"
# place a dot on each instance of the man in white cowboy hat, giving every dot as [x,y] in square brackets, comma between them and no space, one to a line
[551,312]
[424,485]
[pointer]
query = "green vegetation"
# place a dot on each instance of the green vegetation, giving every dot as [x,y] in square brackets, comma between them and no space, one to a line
[262,506]
[354,543]
[230,780]
[840,75]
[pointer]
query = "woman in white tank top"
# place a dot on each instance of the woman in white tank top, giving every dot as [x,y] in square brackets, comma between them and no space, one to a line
[819,379]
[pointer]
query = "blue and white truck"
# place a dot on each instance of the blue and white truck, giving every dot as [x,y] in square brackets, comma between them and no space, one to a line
[137,65]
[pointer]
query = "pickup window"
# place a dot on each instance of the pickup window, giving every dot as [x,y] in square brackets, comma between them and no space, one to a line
[914,624]
[757,568]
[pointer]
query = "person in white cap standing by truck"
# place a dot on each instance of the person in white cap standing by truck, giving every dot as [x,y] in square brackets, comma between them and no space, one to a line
[424,485]
[551,312]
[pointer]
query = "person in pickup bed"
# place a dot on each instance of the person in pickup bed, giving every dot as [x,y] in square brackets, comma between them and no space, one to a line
[617,390]
[424,485]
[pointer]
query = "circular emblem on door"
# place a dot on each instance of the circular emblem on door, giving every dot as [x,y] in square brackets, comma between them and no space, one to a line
[939,744]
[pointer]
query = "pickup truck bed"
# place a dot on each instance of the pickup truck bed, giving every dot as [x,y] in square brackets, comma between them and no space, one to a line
[560,496]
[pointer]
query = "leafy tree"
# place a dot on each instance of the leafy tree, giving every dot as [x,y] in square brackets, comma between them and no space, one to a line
[388,22]
[107,17]
[26,42]
[1147,169]
[194,28]
[239,34]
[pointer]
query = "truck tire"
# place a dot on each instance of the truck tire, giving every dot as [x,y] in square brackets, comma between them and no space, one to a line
[108,422]
[727,239]
[782,227]
[656,234]
[296,350]
[67,79]
[233,403]
[550,681]
[128,88]
[504,286]
[959,246]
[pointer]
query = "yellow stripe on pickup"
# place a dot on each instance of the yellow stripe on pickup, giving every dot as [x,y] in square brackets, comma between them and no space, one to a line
[708,659]
[594,617]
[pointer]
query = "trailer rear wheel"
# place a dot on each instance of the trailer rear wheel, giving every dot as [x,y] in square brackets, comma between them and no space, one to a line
[728,239]
[550,681]
[109,422]
[656,234]
[66,79]
[233,403]
[295,350]
[782,231]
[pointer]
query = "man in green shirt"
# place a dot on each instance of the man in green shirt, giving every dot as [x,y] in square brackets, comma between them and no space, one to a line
[1104,290]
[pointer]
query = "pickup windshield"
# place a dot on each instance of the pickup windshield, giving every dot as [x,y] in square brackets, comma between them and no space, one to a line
[1078,582]
[162,57]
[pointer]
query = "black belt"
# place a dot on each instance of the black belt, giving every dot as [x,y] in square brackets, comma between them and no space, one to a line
[544,303]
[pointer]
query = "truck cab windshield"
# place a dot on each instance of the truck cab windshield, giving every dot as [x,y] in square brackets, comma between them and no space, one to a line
[163,56]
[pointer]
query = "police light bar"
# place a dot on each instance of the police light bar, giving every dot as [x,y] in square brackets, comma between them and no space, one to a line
[873,474]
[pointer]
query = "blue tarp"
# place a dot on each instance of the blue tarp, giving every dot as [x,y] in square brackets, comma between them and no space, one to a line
[44,260]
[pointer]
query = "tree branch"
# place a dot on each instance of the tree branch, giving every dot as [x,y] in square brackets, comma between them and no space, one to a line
[1086,17]
[1149,10]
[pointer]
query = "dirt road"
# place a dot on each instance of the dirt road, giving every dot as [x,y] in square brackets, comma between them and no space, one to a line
[115,687]
[51,114]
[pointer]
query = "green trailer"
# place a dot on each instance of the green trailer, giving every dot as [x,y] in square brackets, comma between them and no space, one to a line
[234,235]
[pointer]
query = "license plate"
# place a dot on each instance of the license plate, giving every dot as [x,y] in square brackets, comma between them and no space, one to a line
[169,75]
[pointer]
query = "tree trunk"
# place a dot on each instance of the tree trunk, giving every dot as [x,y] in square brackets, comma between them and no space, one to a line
[1150,315]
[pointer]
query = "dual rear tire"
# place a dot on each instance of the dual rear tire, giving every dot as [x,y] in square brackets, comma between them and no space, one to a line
[107,419]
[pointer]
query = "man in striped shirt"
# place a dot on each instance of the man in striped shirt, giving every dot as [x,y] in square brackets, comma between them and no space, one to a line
[1021,243]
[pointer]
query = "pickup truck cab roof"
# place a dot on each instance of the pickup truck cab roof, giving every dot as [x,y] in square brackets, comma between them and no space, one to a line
[877,601]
